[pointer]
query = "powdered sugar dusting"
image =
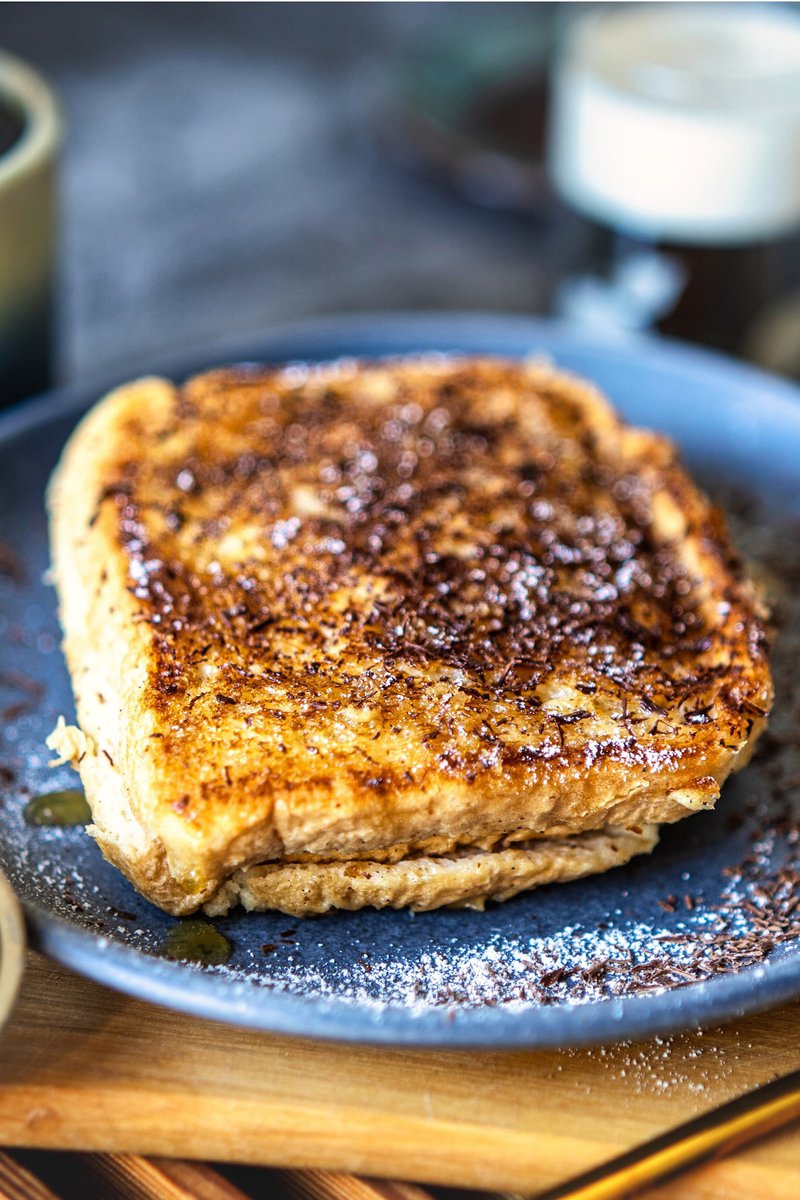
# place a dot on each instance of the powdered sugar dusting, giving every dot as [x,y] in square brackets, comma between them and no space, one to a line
[719,895]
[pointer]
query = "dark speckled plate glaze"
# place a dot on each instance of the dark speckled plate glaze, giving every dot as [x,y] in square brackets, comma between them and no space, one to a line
[521,974]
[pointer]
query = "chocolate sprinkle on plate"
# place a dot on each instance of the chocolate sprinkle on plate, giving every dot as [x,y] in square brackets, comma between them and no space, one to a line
[706,927]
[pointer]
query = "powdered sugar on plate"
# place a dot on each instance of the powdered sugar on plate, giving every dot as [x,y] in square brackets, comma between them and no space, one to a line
[719,895]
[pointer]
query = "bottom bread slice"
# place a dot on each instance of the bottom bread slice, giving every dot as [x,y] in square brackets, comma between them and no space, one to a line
[466,878]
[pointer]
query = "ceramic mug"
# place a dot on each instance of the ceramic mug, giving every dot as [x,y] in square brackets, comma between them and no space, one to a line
[12,948]
[29,137]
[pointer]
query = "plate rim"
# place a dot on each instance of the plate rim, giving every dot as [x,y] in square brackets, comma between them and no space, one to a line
[204,993]
[397,327]
[207,994]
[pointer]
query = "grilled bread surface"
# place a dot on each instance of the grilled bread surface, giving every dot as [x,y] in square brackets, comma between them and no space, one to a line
[428,610]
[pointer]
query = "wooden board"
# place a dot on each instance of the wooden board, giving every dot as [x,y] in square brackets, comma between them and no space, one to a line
[82,1067]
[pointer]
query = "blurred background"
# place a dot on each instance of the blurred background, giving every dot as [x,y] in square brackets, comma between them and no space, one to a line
[226,167]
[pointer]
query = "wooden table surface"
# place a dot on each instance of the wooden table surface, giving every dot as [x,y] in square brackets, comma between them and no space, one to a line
[82,1067]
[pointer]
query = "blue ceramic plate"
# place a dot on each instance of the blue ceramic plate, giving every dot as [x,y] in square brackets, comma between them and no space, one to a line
[703,930]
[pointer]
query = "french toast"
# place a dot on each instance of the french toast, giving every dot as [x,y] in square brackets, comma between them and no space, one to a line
[419,631]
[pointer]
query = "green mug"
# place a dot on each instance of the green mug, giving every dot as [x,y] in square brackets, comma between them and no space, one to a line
[29,137]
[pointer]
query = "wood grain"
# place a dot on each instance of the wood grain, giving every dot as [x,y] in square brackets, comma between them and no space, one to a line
[85,1068]
[131,1177]
[334,1185]
[17,1183]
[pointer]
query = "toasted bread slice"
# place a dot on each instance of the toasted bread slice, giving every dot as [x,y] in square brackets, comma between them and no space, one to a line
[375,613]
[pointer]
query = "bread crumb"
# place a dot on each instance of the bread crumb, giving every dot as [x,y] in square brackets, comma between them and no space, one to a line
[70,743]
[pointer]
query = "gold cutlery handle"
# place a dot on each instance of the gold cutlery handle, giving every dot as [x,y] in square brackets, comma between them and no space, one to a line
[708,1136]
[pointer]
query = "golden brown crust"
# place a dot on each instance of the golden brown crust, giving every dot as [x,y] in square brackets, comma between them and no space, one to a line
[363,611]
